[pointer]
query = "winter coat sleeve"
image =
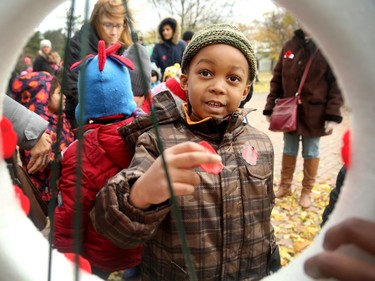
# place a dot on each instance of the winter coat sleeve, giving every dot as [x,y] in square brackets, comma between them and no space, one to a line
[334,99]
[28,125]
[114,217]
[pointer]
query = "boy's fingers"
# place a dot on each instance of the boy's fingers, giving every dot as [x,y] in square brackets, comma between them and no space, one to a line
[185,176]
[181,189]
[185,147]
[352,231]
[343,268]
[189,155]
[195,159]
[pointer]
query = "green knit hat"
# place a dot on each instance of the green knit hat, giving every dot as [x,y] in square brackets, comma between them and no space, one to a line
[220,34]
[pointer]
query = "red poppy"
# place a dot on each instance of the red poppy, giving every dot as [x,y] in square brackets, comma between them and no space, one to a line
[211,168]
[289,55]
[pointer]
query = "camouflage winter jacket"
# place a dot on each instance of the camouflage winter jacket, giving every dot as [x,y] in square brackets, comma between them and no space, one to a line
[227,219]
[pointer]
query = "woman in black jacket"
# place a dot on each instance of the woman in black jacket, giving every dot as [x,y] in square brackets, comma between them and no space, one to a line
[108,22]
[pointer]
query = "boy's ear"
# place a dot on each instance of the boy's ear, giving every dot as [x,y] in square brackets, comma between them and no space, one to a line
[246,91]
[184,81]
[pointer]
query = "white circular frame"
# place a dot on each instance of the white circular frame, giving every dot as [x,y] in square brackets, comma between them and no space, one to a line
[344,31]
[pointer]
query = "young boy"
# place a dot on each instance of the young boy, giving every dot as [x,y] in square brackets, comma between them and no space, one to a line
[108,104]
[227,216]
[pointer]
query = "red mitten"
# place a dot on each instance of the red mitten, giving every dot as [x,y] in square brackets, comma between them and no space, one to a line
[9,137]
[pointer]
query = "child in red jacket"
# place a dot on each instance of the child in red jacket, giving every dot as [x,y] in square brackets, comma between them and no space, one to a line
[105,104]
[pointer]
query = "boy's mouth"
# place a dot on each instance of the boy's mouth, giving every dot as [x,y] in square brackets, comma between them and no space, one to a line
[214,104]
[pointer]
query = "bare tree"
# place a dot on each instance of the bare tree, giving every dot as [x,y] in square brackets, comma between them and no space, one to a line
[195,13]
[273,31]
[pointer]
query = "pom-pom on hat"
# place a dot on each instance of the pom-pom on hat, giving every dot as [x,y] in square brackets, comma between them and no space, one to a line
[104,87]
[45,43]
[220,34]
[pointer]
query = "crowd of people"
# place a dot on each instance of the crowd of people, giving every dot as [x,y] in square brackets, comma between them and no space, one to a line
[131,174]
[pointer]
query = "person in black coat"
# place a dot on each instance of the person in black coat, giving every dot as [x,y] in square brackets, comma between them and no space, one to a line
[170,48]
[46,60]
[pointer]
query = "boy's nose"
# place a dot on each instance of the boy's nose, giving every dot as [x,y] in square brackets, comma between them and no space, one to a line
[218,86]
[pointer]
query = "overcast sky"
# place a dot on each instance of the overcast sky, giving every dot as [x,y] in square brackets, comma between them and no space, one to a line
[147,19]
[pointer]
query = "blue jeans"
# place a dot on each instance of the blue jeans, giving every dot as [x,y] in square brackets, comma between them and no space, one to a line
[310,146]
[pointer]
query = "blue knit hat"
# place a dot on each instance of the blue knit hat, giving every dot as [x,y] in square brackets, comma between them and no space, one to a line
[106,85]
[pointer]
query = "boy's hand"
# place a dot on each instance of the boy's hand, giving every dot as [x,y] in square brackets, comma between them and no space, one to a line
[152,187]
[336,265]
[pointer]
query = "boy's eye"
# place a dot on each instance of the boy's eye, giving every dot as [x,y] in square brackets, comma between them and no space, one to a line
[234,78]
[205,73]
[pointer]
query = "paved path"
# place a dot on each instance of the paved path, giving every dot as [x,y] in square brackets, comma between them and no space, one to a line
[330,146]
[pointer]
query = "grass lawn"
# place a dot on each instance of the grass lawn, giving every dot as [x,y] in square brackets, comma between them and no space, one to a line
[263,86]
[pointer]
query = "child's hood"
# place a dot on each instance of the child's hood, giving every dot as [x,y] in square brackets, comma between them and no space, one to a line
[32,90]
[175,26]
[104,87]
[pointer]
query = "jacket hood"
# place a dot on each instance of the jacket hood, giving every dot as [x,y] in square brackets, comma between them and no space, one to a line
[299,34]
[164,111]
[175,26]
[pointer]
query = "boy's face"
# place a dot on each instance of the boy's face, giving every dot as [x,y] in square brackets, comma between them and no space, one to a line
[167,32]
[216,81]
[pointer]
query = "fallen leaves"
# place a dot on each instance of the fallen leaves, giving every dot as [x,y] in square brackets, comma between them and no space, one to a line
[295,227]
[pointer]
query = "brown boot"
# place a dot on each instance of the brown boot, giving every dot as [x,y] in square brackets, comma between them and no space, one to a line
[288,166]
[310,171]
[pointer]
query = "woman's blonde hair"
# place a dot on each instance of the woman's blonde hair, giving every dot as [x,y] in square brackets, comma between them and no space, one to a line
[111,9]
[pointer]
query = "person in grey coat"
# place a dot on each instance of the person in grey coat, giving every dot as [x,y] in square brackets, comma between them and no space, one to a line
[30,128]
